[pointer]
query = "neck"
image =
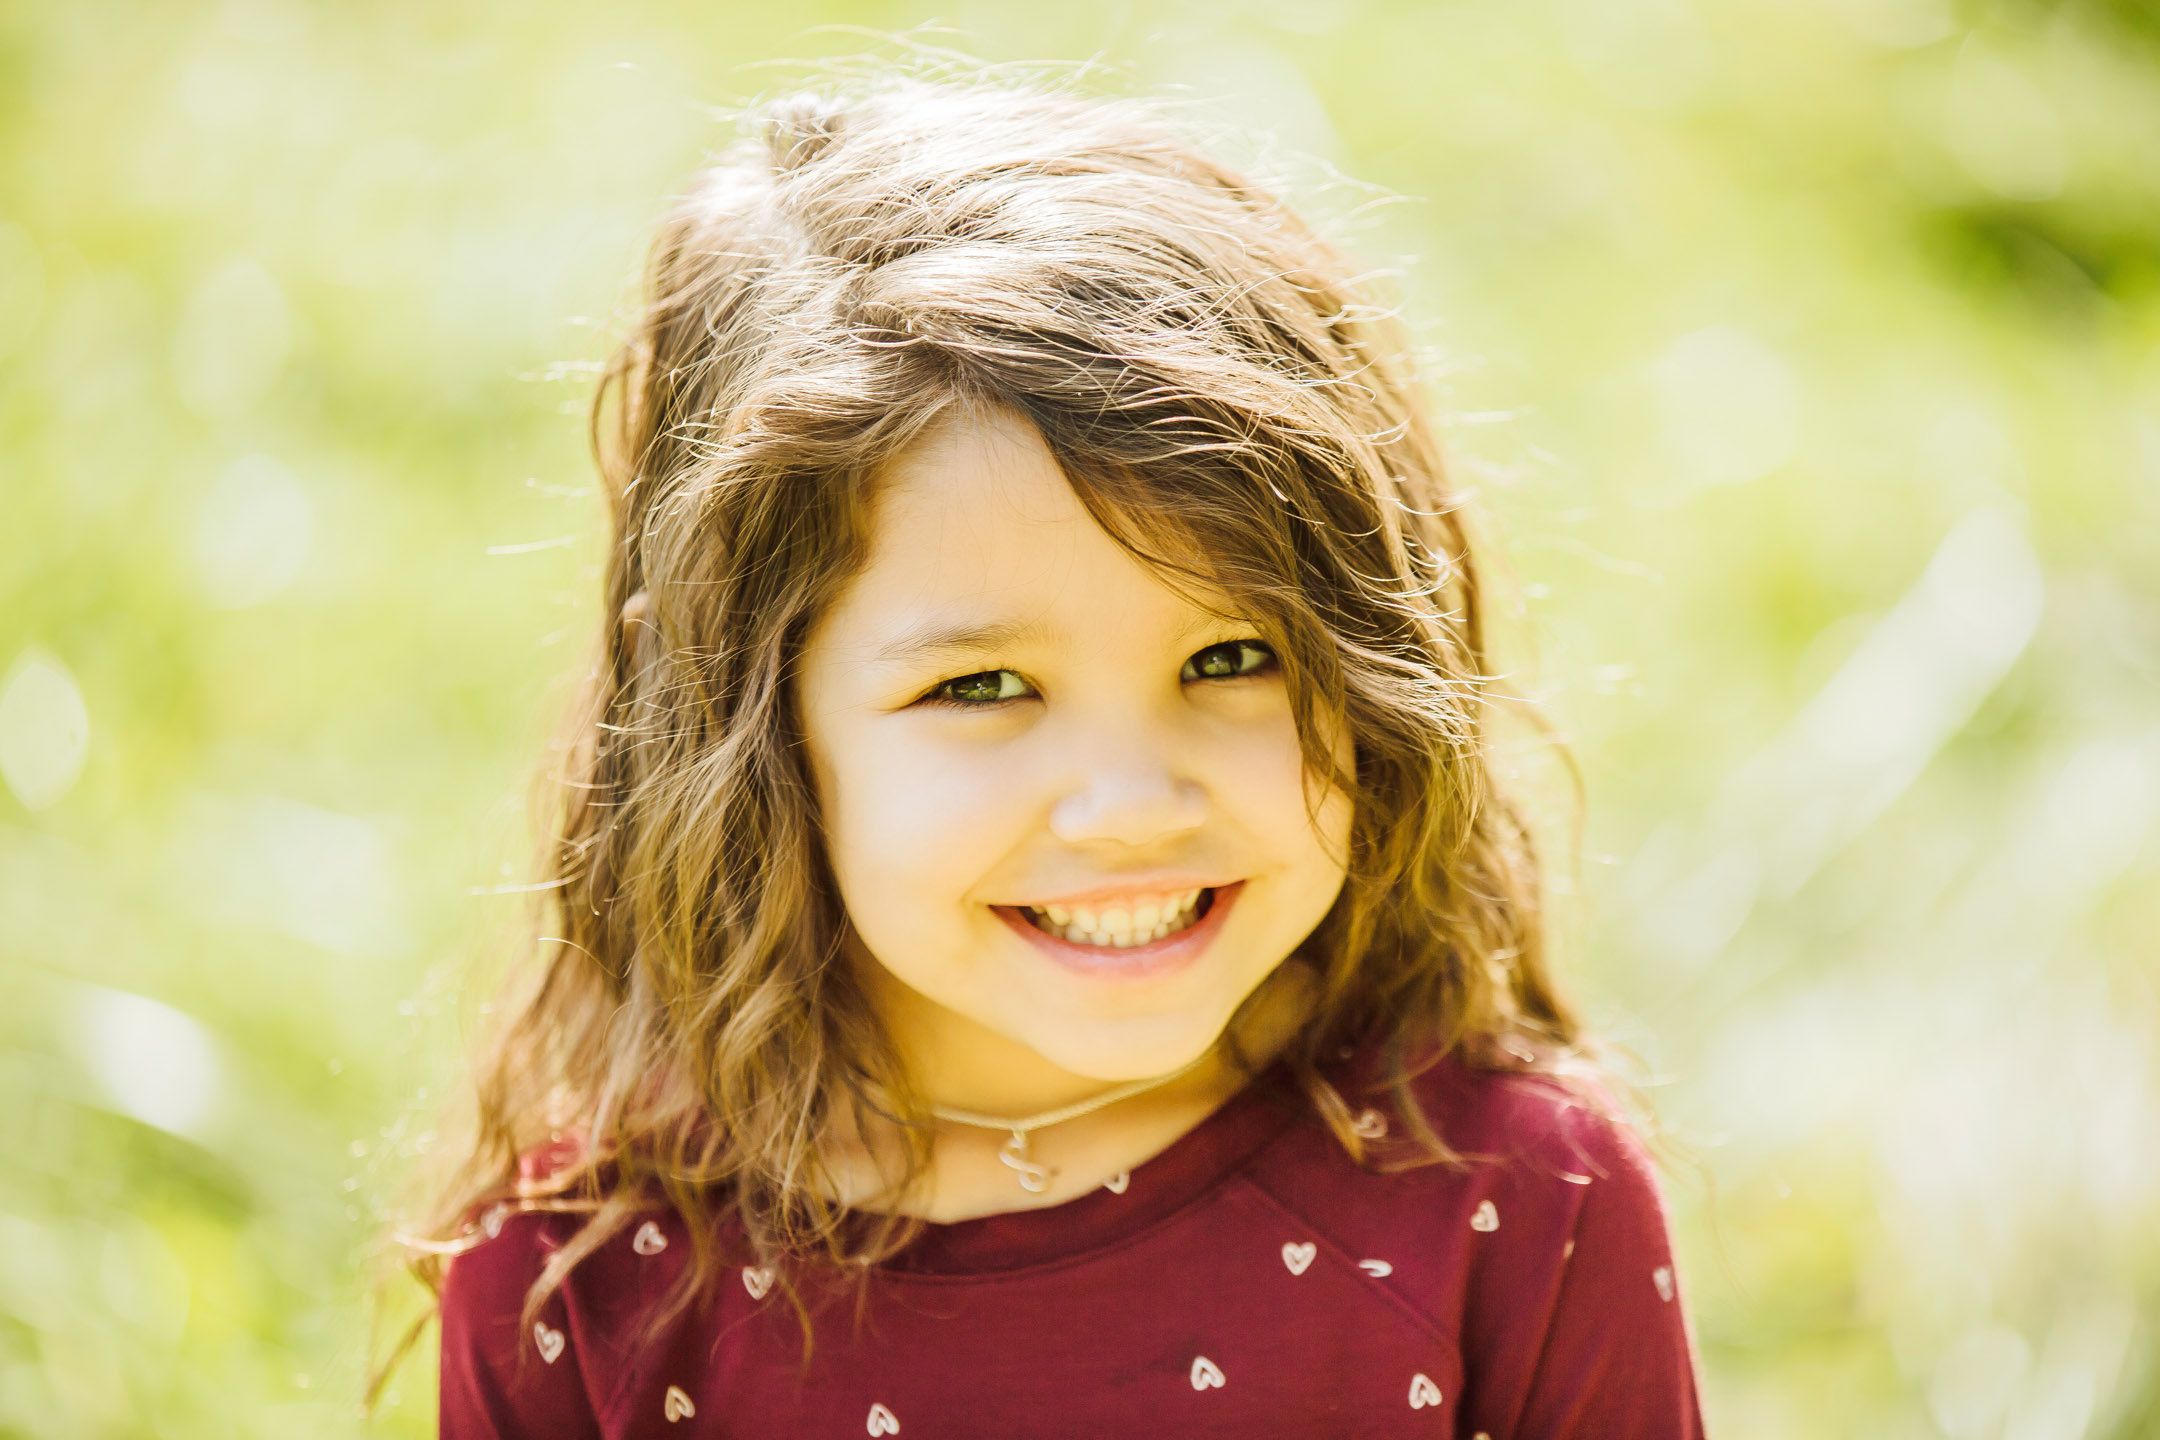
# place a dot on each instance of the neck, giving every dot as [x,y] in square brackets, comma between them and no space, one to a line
[985,1074]
[955,1063]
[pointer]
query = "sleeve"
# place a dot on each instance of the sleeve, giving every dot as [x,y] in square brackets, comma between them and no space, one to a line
[1616,1361]
[498,1382]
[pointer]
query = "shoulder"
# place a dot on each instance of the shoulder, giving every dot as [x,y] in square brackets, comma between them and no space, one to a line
[1561,1138]
[1569,1123]
[551,1370]
[1570,1320]
[500,1376]
[489,1279]
[1540,1171]
[507,1243]
[1545,1162]
[486,1286]
[1527,1156]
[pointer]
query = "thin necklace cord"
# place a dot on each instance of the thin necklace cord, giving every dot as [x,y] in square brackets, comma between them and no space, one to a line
[1033,1176]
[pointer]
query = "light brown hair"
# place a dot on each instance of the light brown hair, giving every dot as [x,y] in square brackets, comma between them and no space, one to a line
[1217,383]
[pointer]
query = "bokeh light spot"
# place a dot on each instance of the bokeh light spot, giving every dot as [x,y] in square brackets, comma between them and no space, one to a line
[157,1064]
[2100,806]
[1976,1380]
[1730,404]
[320,876]
[1896,24]
[253,533]
[2003,128]
[44,730]
[232,341]
[1919,674]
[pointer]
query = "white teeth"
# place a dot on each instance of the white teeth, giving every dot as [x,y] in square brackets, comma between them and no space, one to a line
[1120,924]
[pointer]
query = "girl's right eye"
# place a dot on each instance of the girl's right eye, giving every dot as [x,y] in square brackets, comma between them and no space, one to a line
[986,688]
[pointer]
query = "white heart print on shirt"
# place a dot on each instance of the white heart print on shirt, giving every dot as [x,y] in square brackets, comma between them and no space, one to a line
[649,1240]
[757,1280]
[1206,1374]
[1116,1183]
[1369,1125]
[1423,1392]
[549,1340]
[1662,1278]
[1378,1269]
[1298,1257]
[677,1406]
[882,1421]
[1487,1218]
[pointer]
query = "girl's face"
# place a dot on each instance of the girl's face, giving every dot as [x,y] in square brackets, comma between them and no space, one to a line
[1065,806]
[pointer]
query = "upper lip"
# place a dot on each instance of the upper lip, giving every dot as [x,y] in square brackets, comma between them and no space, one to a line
[1118,890]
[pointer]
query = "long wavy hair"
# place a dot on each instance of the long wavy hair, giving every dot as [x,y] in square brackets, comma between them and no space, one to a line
[1218,382]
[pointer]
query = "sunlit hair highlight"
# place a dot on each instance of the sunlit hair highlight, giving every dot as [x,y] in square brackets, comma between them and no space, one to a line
[1217,382]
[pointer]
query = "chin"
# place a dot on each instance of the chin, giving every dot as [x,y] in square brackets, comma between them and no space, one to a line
[1136,1050]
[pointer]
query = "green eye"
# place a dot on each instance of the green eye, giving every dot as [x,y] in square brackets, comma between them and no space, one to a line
[986,688]
[1231,660]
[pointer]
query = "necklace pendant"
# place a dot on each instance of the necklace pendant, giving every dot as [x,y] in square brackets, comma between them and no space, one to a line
[1034,1178]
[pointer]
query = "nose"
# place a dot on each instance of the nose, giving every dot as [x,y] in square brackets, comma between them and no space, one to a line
[1128,802]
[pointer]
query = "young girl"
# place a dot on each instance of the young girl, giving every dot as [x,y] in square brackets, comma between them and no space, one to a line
[1037,946]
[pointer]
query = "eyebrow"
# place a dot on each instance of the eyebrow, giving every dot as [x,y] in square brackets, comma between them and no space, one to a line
[934,639]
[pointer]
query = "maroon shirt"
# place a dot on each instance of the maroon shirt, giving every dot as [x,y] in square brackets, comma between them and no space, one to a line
[1250,1280]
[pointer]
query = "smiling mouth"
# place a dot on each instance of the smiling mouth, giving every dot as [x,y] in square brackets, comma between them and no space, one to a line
[1122,924]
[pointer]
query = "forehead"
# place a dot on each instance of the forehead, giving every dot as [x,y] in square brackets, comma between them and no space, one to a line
[977,524]
[977,472]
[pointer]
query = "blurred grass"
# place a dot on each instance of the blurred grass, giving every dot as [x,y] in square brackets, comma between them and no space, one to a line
[1809,349]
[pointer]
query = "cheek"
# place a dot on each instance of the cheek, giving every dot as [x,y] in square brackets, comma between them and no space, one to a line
[1260,778]
[911,828]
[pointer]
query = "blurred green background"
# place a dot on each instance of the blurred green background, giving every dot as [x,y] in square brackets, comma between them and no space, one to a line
[1809,351]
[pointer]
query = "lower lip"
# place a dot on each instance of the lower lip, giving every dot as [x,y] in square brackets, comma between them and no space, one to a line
[1155,957]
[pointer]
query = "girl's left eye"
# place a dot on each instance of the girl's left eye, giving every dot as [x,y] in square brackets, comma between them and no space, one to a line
[1231,660]
[986,688]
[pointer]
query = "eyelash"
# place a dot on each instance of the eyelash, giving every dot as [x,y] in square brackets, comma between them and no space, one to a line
[941,693]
